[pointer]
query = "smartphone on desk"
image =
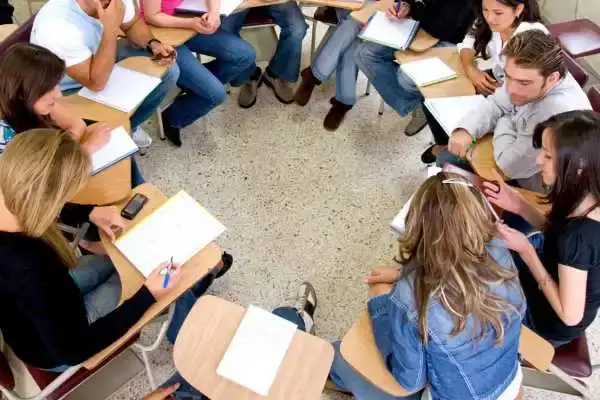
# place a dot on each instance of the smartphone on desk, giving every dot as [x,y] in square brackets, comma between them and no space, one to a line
[134,206]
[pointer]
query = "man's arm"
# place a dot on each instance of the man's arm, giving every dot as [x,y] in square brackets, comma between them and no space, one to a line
[484,119]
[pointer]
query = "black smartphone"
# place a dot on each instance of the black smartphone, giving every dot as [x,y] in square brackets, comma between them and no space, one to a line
[134,206]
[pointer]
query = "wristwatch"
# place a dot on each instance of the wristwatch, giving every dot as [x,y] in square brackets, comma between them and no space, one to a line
[149,44]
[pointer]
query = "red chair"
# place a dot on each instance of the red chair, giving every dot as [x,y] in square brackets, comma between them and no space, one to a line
[594,97]
[580,37]
[575,69]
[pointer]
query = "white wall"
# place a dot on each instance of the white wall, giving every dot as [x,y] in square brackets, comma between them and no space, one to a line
[564,10]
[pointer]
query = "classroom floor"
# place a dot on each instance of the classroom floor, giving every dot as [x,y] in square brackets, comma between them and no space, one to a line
[300,203]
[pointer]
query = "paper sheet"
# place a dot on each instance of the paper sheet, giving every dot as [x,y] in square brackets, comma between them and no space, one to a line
[179,228]
[386,31]
[428,71]
[201,6]
[119,146]
[257,350]
[398,223]
[449,111]
[125,90]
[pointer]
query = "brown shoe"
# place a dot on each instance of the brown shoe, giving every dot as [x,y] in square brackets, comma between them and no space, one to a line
[336,114]
[306,87]
[283,90]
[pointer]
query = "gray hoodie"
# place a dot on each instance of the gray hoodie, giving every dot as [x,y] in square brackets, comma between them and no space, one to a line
[513,126]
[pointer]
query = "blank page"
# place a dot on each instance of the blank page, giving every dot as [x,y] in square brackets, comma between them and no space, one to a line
[257,350]
[395,33]
[428,71]
[125,90]
[179,228]
[201,6]
[119,146]
[448,111]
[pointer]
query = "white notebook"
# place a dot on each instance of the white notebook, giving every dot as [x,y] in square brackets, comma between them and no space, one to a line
[201,6]
[391,32]
[119,146]
[398,223]
[125,90]
[179,228]
[257,350]
[428,71]
[449,111]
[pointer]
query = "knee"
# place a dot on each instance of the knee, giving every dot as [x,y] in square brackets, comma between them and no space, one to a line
[172,75]
[296,27]
[246,56]
[219,95]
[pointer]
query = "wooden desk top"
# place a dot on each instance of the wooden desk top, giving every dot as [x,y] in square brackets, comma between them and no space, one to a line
[423,41]
[206,335]
[132,279]
[461,86]
[6,30]
[172,36]
[345,5]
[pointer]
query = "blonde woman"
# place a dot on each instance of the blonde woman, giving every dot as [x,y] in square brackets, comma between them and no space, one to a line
[451,321]
[57,310]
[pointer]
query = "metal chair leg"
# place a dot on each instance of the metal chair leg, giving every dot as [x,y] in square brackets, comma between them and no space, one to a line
[159,122]
[381,106]
[368,89]
[313,41]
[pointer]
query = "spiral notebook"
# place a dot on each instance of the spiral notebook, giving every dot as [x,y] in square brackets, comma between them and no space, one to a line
[391,32]
[201,6]
[449,111]
[428,71]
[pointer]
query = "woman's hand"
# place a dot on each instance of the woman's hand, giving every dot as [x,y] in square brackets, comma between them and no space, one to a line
[482,81]
[502,195]
[96,136]
[379,275]
[108,219]
[162,393]
[513,239]
[211,21]
[197,25]
[156,279]
[400,12]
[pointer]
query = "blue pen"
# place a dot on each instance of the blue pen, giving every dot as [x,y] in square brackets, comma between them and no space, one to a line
[168,274]
[398,4]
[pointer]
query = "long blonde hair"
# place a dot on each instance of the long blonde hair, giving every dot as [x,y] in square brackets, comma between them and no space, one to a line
[447,229]
[40,170]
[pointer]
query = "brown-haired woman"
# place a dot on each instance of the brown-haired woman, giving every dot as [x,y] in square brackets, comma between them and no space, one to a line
[560,268]
[451,322]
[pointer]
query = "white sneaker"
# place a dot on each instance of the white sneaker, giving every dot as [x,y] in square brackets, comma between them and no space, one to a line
[141,138]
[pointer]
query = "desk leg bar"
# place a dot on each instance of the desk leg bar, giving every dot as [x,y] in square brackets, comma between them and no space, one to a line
[145,350]
[554,380]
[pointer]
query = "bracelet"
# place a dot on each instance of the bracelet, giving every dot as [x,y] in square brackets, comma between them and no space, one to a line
[149,44]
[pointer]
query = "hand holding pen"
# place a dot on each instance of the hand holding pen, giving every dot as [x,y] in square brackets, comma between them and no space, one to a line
[400,10]
[163,278]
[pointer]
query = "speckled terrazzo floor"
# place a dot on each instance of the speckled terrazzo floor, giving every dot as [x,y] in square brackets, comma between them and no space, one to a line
[300,203]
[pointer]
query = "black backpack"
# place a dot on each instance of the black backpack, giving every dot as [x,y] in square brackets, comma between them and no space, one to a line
[6,12]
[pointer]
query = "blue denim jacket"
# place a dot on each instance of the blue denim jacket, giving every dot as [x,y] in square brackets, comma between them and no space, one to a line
[455,368]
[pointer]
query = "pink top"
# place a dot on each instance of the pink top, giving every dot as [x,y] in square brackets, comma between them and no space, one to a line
[166,6]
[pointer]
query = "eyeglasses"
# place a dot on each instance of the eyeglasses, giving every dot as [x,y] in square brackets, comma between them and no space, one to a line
[454,181]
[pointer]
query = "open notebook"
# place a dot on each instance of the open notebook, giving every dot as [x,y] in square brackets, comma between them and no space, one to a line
[119,146]
[449,111]
[201,6]
[257,350]
[391,32]
[125,90]
[428,71]
[179,228]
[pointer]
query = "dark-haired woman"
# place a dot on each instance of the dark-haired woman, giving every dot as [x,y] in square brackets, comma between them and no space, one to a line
[29,78]
[560,268]
[498,21]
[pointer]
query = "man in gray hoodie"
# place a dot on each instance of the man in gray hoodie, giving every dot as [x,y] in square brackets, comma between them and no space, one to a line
[537,86]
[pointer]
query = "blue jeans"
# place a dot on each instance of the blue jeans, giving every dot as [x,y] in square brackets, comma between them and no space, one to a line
[285,64]
[397,89]
[337,55]
[136,174]
[347,379]
[188,392]
[204,83]
[100,286]
[125,49]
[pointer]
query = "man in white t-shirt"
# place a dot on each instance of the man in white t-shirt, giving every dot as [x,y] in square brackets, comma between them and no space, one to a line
[84,33]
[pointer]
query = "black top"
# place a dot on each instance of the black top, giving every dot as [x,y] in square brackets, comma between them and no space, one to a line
[574,243]
[43,317]
[447,20]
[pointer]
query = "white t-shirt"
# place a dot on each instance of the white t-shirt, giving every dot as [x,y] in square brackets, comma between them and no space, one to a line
[65,29]
[495,46]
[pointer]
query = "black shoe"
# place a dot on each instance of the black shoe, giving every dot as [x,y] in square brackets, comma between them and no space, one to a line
[227,263]
[428,157]
[171,133]
[335,115]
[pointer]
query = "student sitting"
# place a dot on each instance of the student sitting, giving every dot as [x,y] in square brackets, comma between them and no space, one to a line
[57,310]
[336,55]
[447,20]
[284,67]
[84,33]
[452,319]
[29,78]
[537,86]
[560,268]
[203,83]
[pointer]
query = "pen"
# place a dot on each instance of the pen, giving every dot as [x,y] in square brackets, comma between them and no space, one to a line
[398,7]
[168,274]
